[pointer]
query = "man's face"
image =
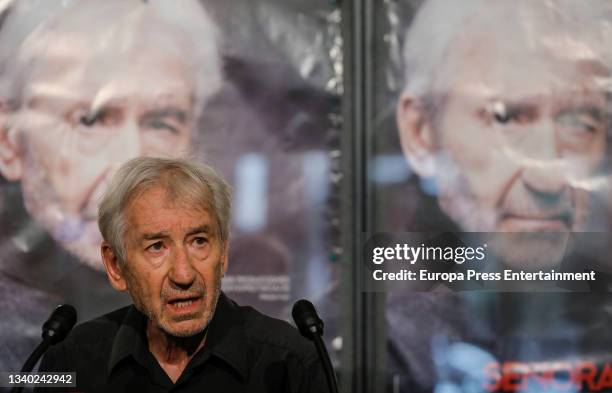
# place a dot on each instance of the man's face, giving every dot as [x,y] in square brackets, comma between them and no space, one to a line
[516,141]
[86,111]
[174,262]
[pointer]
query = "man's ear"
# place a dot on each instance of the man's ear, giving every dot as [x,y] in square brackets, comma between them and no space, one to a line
[11,160]
[416,135]
[114,270]
[225,258]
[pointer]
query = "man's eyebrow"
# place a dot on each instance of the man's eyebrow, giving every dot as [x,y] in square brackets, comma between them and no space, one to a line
[158,235]
[54,102]
[526,106]
[177,114]
[53,99]
[522,101]
[154,235]
[587,109]
[201,229]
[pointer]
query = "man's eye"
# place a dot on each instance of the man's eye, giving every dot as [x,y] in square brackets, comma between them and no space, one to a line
[161,125]
[200,241]
[514,117]
[578,121]
[83,117]
[503,113]
[157,246]
[105,117]
[88,120]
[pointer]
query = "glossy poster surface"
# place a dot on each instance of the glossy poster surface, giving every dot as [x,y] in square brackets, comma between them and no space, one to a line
[251,89]
[494,117]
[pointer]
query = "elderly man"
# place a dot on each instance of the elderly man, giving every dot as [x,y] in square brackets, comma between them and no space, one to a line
[165,225]
[505,110]
[85,86]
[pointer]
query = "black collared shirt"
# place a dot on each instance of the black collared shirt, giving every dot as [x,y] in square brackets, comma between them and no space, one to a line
[245,351]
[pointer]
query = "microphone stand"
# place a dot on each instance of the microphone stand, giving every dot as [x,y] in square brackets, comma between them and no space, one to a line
[33,359]
[54,330]
[311,326]
[327,366]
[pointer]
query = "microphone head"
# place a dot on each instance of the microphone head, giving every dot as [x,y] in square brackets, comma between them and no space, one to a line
[306,319]
[60,322]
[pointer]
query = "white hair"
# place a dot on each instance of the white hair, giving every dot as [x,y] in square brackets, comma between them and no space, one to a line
[28,26]
[438,25]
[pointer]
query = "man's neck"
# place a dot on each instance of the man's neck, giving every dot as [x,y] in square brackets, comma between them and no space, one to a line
[173,353]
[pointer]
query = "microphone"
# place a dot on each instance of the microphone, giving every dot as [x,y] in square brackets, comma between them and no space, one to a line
[311,326]
[306,319]
[59,323]
[54,330]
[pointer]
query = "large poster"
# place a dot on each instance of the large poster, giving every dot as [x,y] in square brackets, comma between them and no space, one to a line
[252,89]
[493,119]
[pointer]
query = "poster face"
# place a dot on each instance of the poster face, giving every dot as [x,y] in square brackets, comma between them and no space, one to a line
[250,89]
[493,118]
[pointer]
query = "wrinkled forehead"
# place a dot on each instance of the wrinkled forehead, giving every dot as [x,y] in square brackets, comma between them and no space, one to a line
[112,35]
[174,190]
[530,49]
[154,209]
[121,47]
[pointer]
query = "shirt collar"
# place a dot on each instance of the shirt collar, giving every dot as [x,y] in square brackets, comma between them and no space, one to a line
[130,338]
[225,338]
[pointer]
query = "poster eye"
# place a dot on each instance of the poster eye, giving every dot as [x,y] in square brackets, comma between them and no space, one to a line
[500,112]
[501,117]
[88,120]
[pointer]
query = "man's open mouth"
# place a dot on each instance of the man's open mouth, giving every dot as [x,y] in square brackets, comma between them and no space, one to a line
[537,222]
[184,303]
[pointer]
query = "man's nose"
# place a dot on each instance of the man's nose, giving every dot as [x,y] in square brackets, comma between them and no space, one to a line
[182,272]
[547,179]
[544,169]
[128,142]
